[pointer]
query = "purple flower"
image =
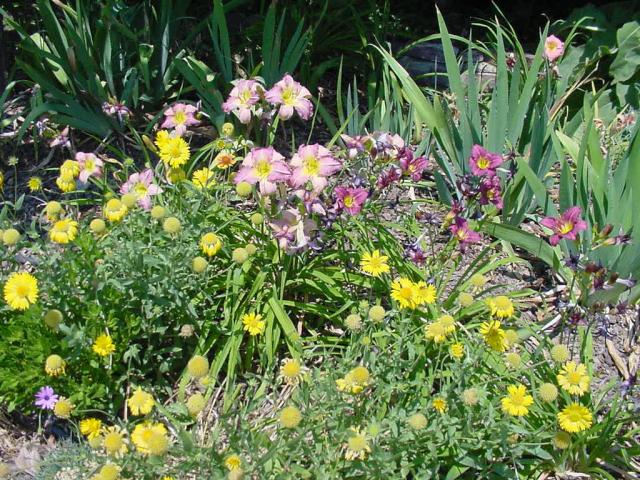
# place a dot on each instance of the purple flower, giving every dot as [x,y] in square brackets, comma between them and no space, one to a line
[46,398]
[484,162]
[244,95]
[351,199]
[179,117]
[141,185]
[290,227]
[491,192]
[264,166]
[61,139]
[116,109]
[388,177]
[290,95]
[355,145]
[416,255]
[568,225]
[463,233]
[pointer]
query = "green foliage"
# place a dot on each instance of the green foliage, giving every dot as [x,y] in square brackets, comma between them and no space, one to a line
[91,54]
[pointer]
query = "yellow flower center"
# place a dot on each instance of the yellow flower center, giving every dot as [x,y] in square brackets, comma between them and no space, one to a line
[89,164]
[311,166]
[244,97]
[22,290]
[348,201]
[262,169]
[358,443]
[140,189]
[483,163]
[566,227]
[180,117]
[288,97]
[574,378]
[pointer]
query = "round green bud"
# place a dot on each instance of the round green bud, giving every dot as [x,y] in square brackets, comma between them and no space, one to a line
[353,322]
[257,219]
[244,189]
[376,314]
[10,237]
[171,225]
[97,225]
[158,212]
[199,264]
[53,318]
[240,255]
[227,129]
[251,248]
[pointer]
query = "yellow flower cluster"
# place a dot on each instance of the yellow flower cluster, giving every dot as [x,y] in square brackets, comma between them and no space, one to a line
[439,330]
[355,381]
[411,295]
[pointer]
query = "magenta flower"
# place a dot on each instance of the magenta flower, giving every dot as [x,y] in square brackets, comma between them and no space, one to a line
[553,48]
[388,177]
[264,166]
[141,185]
[180,116]
[491,192]
[566,226]
[90,166]
[412,166]
[484,162]
[463,233]
[46,398]
[351,199]
[313,163]
[244,95]
[290,95]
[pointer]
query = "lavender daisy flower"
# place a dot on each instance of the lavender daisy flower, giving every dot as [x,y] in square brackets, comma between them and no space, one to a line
[46,398]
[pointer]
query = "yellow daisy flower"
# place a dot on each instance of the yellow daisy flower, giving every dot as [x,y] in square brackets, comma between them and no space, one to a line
[456,350]
[440,404]
[374,263]
[501,306]
[426,293]
[233,462]
[203,178]
[575,418]
[435,331]
[141,402]
[54,365]
[174,152]
[357,445]
[104,345]
[34,184]
[64,231]
[517,401]
[114,442]
[493,335]
[253,323]
[21,291]
[573,378]
[405,292]
[114,210]
[210,244]
[150,438]
[91,427]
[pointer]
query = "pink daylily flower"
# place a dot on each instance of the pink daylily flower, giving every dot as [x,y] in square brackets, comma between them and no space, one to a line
[491,192]
[355,145]
[142,186]
[90,166]
[264,166]
[484,162]
[180,116]
[553,48]
[290,95]
[412,166]
[313,163]
[290,227]
[351,199]
[242,98]
[463,233]
[568,225]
